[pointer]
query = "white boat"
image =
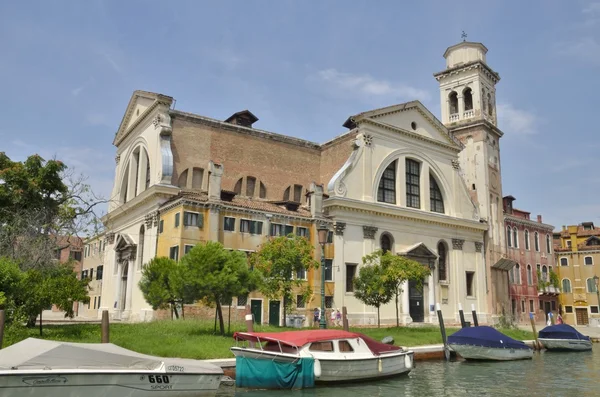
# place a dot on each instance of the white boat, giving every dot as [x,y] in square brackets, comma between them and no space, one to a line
[333,356]
[486,343]
[42,368]
[563,337]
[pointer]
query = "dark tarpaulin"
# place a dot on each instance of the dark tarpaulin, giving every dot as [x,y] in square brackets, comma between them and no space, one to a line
[562,331]
[485,337]
[270,374]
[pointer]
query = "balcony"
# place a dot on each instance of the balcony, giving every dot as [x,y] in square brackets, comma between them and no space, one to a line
[468,114]
[454,117]
[548,290]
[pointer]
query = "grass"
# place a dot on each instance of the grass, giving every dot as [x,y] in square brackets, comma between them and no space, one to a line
[195,339]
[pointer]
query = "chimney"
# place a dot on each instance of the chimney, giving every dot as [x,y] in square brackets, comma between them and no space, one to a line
[214,180]
[564,227]
[245,118]
[316,200]
[539,218]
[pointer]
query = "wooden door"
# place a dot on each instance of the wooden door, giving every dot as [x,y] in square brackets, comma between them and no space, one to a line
[256,310]
[415,296]
[274,313]
[581,316]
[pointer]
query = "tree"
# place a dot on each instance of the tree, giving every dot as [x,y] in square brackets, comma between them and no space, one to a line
[214,275]
[371,288]
[159,284]
[10,279]
[279,260]
[396,270]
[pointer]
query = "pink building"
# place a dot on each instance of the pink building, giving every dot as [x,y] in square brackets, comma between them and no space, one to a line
[529,244]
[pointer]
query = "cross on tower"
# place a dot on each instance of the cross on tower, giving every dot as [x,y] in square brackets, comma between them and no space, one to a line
[463,36]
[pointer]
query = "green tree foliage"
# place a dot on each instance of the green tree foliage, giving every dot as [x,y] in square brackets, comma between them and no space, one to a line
[371,288]
[214,275]
[278,261]
[10,279]
[396,270]
[159,284]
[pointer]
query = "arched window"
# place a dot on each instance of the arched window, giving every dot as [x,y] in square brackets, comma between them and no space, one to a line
[490,107]
[515,237]
[536,241]
[511,275]
[442,262]
[413,184]
[564,261]
[529,275]
[386,193]
[566,285]
[527,239]
[517,274]
[591,285]
[263,191]
[468,98]
[182,181]
[386,243]
[250,186]
[141,247]
[453,102]
[197,177]
[509,236]
[237,189]
[125,185]
[548,243]
[135,162]
[436,201]
[544,273]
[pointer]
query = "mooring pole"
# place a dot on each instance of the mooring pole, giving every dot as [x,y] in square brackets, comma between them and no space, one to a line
[552,320]
[535,336]
[2,320]
[474,313]
[249,323]
[345,319]
[104,327]
[443,331]
[462,316]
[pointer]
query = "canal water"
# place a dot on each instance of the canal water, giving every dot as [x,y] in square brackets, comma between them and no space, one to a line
[548,374]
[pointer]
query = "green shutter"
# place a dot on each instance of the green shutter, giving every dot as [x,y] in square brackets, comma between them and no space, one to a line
[177,219]
[200,221]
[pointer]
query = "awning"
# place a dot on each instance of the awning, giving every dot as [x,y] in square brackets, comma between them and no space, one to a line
[504,264]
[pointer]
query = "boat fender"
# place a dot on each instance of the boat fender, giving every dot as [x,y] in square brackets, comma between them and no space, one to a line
[317,368]
[380,365]
[408,361]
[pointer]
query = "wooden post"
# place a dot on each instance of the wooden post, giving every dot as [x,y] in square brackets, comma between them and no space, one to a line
[461,314]
[2,321]
[474,313]
[345,319]
[443,331]
[41,311]
[536,345]
[104,327]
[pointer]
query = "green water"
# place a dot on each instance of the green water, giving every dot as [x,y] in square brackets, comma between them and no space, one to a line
[548,374]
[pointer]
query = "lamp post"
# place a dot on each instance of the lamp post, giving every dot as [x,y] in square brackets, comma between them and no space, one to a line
[322,232]
[596,278]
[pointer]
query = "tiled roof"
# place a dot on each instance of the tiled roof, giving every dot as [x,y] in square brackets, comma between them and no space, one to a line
[581,232]
[243,202]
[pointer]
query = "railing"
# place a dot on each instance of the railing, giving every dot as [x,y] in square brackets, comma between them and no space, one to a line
[468,114]
[454,117]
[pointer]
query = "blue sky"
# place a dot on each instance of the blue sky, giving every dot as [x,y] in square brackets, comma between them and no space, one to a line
[68,69]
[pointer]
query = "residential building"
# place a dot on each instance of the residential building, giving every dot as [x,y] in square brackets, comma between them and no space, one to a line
[94,250]
[399,180]
[69,250]
[577,250]
[529,244]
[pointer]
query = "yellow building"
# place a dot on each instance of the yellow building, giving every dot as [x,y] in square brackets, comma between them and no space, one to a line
[577,251]
[93,268]
[244,223]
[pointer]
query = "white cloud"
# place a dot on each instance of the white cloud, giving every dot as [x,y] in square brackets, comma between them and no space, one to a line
[516,120]
[365,84]
[585,48]
[112,62]
[592,8]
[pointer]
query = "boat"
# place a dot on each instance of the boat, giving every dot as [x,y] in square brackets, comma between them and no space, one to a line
[486,343]
[563,337]
[44,368]
[299,359]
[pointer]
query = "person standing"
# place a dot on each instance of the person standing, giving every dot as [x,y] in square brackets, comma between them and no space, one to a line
[338,318]
[316,317]
[332,318]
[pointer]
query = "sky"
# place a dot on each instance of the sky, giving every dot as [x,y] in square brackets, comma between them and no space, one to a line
[69,68]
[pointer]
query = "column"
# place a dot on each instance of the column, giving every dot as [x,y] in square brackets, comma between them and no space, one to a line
[431,290]
[129,286]
[118,288]
[405,304]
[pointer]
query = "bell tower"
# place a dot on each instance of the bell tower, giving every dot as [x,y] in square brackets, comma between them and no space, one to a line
[468,103]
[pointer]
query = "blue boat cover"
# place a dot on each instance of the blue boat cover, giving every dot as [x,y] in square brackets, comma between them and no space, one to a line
[269,374]
[485,337]
[562,331]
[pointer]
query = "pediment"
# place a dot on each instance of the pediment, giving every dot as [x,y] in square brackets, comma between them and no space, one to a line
[412,118]
[419,250]
[140,105]
[124,242]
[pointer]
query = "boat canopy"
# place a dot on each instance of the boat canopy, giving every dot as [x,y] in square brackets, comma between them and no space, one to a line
[562,331]
[484,336]
[33,354]
[298,339]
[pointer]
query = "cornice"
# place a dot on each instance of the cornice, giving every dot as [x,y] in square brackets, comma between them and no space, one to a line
[472,123]
[151,195]
[121,135]
[487,71]
[528,222]
[389,211]
[410,134]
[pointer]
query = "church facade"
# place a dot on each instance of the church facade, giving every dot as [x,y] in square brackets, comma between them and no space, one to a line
[399,179]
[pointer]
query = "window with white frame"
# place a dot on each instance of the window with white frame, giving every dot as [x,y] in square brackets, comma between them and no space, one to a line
[252,227]
[591,285]
[548,245]
[192,219]
[564,261]
[229,224]
[413,184]
[300,304]
[566,285]
[509,236]
[302,231]
[436,200]
[174,253]
[568,243]
[536,242]
[517,274]
[529,275]
[527,239]
[187,248]
[594,309]
[544,273]
[515,237]
[386,192]
[588,260]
